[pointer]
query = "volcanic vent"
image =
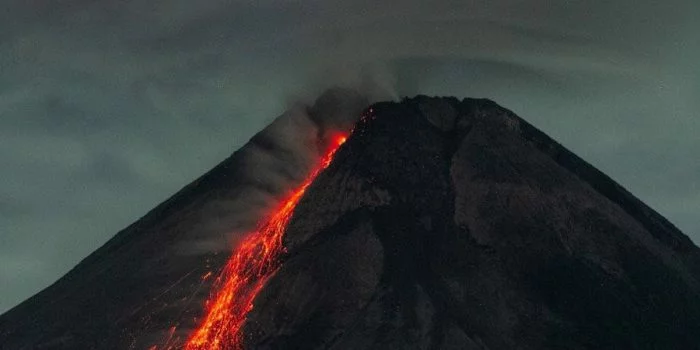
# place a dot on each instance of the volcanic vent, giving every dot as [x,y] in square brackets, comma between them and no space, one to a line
[439,224]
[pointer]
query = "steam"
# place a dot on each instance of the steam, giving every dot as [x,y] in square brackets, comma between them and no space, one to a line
[278,158]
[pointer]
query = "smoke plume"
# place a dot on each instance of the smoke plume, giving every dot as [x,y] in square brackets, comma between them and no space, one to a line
[277,159]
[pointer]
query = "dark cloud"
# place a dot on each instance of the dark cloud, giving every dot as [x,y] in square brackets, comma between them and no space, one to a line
[107,108]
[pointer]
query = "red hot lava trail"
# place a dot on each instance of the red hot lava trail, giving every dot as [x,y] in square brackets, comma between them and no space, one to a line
[253,262]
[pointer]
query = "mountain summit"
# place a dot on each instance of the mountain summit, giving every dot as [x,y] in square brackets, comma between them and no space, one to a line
[438,224]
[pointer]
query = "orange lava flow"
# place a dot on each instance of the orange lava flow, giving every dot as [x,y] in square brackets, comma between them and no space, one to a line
[253,262]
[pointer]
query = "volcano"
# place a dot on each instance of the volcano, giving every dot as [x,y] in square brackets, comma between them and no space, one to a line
[430,223]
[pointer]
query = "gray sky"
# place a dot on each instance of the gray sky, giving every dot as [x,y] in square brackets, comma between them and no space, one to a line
[108,107]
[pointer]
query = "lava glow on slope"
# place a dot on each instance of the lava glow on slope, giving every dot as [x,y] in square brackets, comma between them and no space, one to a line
[253,262]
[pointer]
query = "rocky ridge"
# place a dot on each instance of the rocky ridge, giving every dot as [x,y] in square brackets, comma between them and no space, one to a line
[447,224]
[440,224]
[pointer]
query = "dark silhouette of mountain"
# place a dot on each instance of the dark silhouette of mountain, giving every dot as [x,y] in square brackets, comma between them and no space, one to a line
[440,224]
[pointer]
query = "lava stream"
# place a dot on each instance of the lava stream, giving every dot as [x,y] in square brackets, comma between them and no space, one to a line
[254,261]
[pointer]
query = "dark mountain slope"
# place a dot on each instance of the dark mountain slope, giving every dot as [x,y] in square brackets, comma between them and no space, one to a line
[440,224]
[148,278]
[446,224]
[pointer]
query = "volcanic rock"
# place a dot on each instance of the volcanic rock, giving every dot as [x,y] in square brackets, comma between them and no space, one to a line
[440,224]
[447,224]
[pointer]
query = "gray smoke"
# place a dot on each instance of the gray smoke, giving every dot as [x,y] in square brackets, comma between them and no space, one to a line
[278,159]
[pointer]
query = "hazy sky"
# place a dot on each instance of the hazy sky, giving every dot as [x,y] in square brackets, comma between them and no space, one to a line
[108,107]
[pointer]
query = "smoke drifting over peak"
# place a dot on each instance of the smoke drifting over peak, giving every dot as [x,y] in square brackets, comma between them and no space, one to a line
[278,159]
[287,148]
[107,108]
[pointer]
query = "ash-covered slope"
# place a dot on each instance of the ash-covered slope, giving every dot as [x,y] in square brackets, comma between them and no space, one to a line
[446,224]
[440,224]
[148,284]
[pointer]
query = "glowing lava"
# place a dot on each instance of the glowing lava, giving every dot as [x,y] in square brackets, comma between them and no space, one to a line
[254,261]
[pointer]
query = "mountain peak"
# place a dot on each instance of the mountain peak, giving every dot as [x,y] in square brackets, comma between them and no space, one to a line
[439,224]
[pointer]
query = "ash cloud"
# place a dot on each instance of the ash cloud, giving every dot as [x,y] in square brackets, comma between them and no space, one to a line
[285,151]
[165,89]
[278,159]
